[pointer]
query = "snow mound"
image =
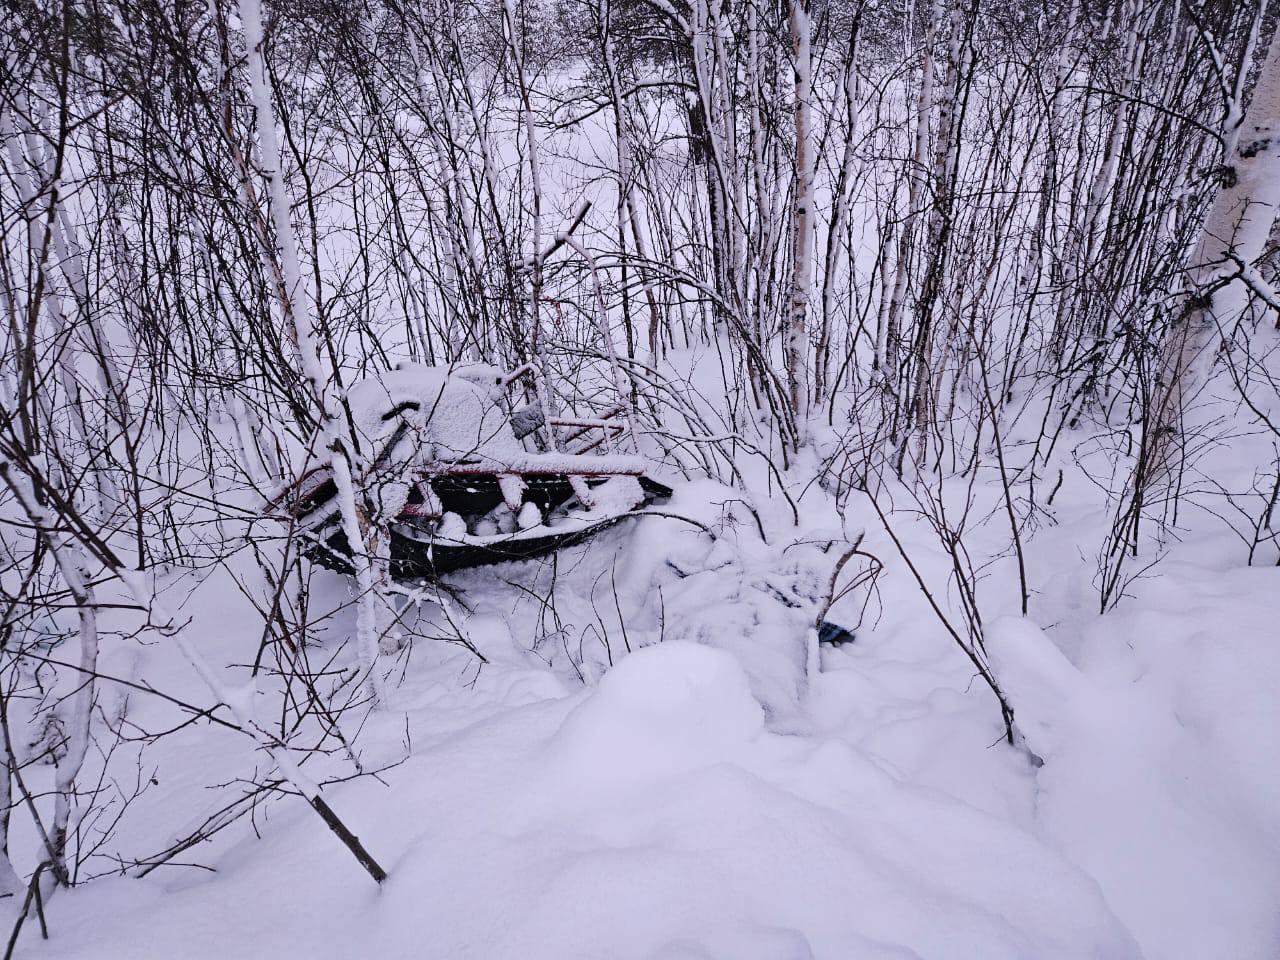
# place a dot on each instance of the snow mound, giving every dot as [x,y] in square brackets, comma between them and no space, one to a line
[650,818]
[668,708]
[1134,788]
[759,603]
[1042,684]
[746,943]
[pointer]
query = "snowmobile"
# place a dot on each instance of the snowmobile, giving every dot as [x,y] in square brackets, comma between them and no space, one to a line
[461,478]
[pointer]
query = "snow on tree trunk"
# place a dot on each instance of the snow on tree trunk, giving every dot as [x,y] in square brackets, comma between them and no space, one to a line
[1233,237]
[72,563]
[367,556]
[104,493]
[916,182]
[628,214]
[516,42]
[797,339]
[839,215]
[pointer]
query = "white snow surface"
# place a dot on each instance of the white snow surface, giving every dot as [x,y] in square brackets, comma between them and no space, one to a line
[457,410]
[652,817]
[657,763]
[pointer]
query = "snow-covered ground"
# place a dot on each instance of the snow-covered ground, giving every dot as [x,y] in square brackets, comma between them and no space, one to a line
[655,759]
[707,795]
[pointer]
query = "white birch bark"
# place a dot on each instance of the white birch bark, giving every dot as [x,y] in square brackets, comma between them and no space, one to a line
[628,213]
[1233,236]
[10,883]
[516,46]
[601,314]
[364,537]
[797,340]
[762,227]
[70,260]
[915,191]
[458,248]
[72,563]
[839,214]
[946,159]
[103,493]
[736,189]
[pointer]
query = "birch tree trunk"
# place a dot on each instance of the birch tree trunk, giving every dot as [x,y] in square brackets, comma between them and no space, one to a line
[517,42]
[628,214]
[797,339]
[368,553]
[99,499]
[843,195]
[1233,237]
[72,562]
[916,183]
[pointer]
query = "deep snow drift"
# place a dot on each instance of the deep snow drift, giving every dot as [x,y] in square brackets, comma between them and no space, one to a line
[652,817]
[708,796]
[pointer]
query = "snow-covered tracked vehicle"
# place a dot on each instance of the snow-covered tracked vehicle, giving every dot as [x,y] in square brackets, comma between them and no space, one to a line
[461,479]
